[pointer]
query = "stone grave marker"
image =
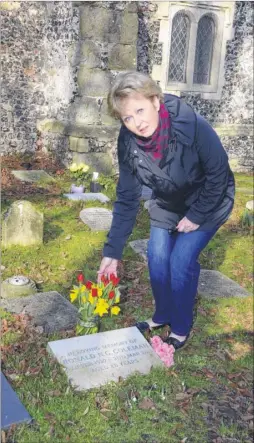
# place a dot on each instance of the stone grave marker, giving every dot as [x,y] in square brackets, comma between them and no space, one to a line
[215,284]
[98,219]
[22,224]
[33,176]
[146,193]
[211,283]
[12,410]
[88,196]
[48,310]
[17,286]
[94,360]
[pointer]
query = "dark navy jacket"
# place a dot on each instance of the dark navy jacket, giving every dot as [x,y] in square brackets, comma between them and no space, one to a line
[193,178]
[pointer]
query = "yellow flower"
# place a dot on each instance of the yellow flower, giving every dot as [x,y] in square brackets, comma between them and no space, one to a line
[73,167]
[115,310]
[83,298]
[99,292]
[101,307]
[74,295]
[85,168]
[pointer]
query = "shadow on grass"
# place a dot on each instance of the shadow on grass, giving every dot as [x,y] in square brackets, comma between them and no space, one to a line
[51,232]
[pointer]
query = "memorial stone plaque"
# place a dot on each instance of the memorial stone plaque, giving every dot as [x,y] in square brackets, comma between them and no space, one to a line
[94,360]
[88,196]
[98,219]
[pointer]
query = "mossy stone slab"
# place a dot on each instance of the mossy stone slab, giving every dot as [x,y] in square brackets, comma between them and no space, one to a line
[33,176]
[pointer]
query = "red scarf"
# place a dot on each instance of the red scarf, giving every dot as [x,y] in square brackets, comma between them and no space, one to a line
[160,138]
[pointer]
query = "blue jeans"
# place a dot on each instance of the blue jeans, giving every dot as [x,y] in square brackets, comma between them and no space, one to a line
[174,273]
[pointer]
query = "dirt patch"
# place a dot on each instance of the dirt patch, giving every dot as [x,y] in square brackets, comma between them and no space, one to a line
[12,187]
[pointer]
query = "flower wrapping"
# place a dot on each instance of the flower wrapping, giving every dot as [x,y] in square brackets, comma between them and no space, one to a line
[163,350]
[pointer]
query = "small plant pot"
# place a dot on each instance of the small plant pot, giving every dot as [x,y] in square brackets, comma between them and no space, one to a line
[77,189]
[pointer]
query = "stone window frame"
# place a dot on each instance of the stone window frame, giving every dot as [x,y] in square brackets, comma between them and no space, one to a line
[223,14]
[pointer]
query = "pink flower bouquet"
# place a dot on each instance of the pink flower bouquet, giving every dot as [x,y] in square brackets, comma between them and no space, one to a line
[163,350]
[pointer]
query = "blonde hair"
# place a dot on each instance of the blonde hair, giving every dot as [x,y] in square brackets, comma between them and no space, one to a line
[128,83]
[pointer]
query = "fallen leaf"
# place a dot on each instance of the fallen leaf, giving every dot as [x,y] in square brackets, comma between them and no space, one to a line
[146,404]
[247,417]
[228,355]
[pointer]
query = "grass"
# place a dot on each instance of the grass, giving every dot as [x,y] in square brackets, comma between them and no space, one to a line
[167,405]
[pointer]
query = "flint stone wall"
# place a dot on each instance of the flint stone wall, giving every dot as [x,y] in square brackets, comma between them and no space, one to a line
[60,58]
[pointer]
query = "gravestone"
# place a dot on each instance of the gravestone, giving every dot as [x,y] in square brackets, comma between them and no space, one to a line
[22,224]
[12,410]
[212,284]
[88,196]
[94,360]
[33,176]
[146,193]
[140,247]
[48,310]
[98,219]
[17,286]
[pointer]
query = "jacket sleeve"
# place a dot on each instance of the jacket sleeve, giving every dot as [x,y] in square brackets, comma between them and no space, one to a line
[214,162]
[125,208]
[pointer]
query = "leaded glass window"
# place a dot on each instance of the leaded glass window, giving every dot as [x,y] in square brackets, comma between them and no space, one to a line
[204,49]
[179,48]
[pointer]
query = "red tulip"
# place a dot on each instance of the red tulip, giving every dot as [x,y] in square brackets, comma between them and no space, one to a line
[88,284]
[104,280]
[81,278]
[114,280]
[94,292]
[111,295]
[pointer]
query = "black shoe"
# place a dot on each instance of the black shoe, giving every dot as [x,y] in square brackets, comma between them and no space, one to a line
[143,326]
[175,342]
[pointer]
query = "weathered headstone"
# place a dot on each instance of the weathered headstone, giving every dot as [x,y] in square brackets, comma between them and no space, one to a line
[98,219]
[17,286]
[33,176]
[94,360]
[48,310]
[22,224]
[88,196]
[12,410]
[211,283]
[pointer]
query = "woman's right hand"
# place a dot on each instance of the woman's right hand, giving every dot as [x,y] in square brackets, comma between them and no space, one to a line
[108,266]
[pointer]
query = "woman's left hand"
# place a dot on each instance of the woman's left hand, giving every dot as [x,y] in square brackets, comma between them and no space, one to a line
[186,225]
